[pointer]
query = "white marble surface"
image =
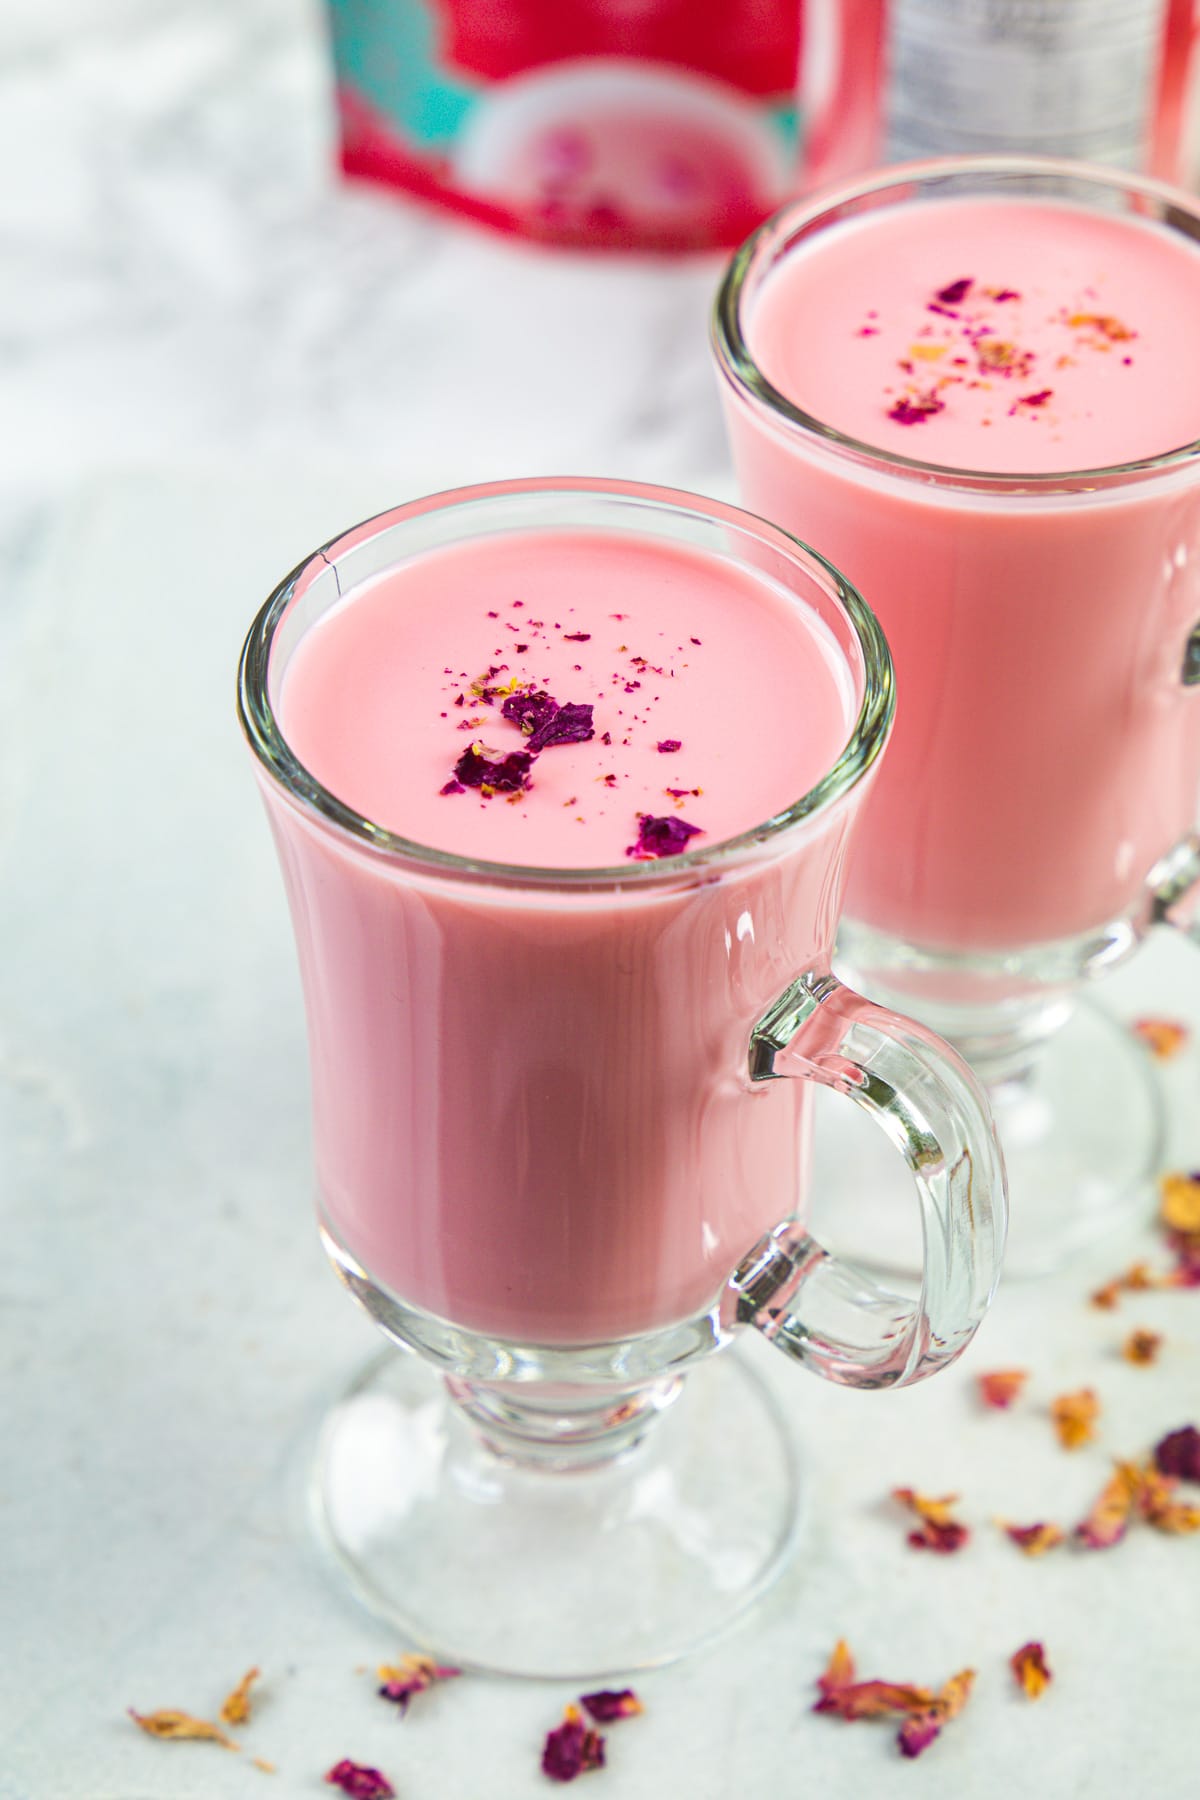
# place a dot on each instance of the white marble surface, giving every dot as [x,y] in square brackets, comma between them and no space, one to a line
[211,358]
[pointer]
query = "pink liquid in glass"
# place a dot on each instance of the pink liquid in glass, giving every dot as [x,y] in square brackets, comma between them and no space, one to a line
[531,1110]
[1046,752]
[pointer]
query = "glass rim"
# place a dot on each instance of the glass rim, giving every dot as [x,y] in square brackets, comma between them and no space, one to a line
[866,741]
[737,363]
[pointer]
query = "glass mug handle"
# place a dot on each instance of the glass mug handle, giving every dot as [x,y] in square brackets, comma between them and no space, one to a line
[822,1311]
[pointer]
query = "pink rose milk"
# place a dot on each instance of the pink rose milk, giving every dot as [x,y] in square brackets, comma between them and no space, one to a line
[1046,753]
[531,1108]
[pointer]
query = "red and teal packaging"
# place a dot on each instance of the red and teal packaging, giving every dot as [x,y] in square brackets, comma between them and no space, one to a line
[622,124]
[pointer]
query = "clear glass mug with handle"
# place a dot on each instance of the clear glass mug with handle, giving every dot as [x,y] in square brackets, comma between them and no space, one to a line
[562,1128]
[1037,812]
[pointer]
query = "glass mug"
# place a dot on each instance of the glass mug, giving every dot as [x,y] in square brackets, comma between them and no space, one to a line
[1037,812]
[561,1123]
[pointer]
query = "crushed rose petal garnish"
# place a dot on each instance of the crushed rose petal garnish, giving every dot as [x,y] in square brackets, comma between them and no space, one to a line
[668,745]
[494,774]
[1141,1347]
[1164,1038]
[235,1708]
[607,1704]
[411,1675]
[1178,1454]
[914,409]
[170,1724]
[1109,1518]
[1001,1387]
[360,1782]
[1033,1540]
[1074,1417]
[925,1712]
[1031,1669]
[939,1531]
[956,291]
[572,1748]
[661,837]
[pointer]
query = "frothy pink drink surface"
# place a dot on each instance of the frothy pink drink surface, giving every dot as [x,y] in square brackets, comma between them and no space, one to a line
[998,335]
[1046,752]
[532,1115]
[712,699]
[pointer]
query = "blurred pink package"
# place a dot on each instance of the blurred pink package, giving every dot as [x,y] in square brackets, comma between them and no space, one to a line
[615,124]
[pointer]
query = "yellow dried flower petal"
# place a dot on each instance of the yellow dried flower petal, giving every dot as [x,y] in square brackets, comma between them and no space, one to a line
[1075,1416]
[235,1708]
[167,1723]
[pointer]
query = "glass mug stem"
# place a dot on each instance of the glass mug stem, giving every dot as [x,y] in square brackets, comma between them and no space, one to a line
[821,1311]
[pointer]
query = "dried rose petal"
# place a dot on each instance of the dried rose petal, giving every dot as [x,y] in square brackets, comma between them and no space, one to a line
[917,1733]
[939,1531]
[1142,1347]
[1164,1038]
[914,409]
[1159,1508]
[1179,1202]
[956,291]
[360,1782]
[570,723]
[661,837]
[572,1748]
[577,637]
[669,745]
[1178,1454]
[505,774]
[1075,1416]
[168,1723]
[839,1672]
[1034,1540]
[411,1675]
[1002,1386]
[925,1712]
[1108,1296]
[235,1708]
[453,786]
[607,1705]
[1109,1518]
[1029,1666]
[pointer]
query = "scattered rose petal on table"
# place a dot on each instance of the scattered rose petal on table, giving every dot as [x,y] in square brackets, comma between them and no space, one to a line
[999,1388]
[1108,1521]
[606,1705]
[235,1708]
[180,1726]
[1141,1347]
[360,1782]
[1158,1506]
[939,1530]
[572,1748]
[1164,1038]
[1029,1666]
[924,1711]
[411,1675]
[1034,1540]
[1074,1417]
[1179,1453]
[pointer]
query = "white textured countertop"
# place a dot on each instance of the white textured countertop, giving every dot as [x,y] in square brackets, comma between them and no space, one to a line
[210,359]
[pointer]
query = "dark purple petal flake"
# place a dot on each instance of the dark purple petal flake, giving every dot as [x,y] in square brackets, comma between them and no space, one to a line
[1178,1454]
[505,774]
[668,745]
[360,1782]
[661,837]
[609,1704]
[956,292]
[572,1748]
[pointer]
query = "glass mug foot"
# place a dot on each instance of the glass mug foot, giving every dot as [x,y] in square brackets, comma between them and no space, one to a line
[515,1568]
